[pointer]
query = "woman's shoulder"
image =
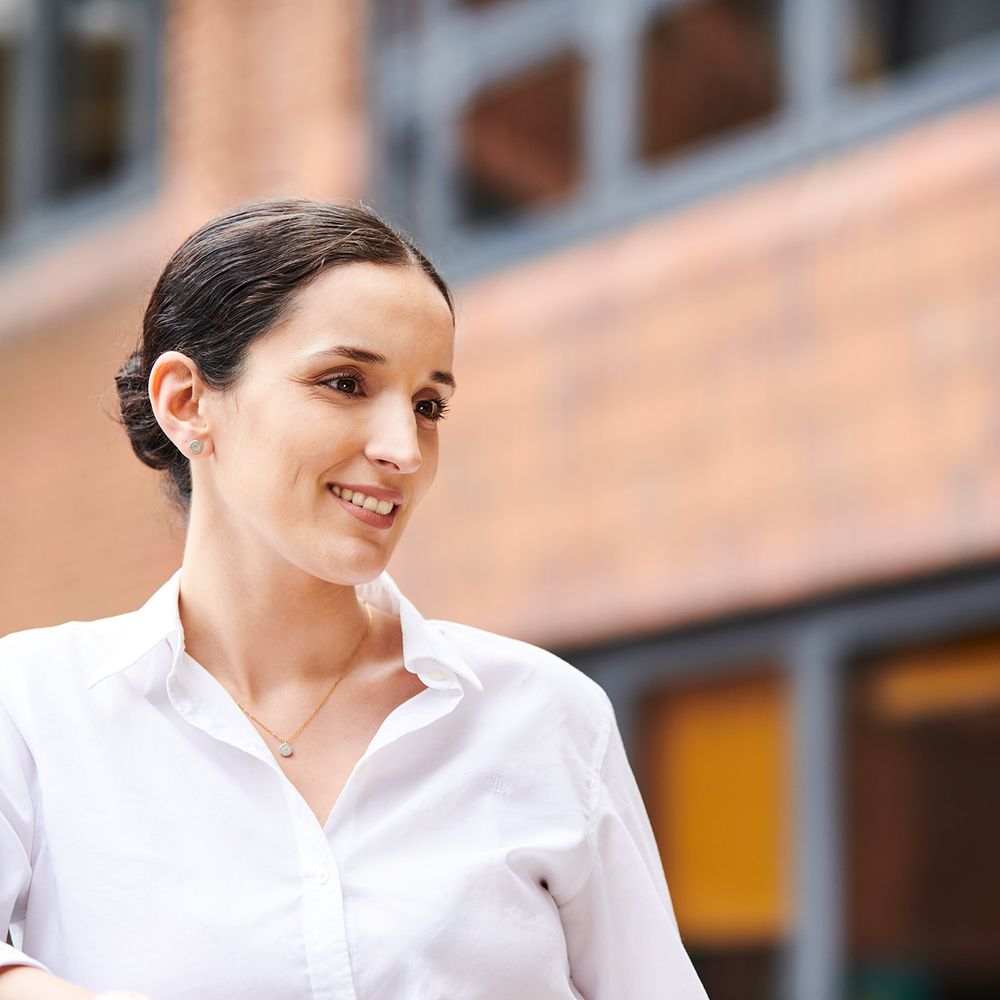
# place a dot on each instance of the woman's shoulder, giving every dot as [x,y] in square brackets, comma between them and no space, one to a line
[506,665]
[43,654]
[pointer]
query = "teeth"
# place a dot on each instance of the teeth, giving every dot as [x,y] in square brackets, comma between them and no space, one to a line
[369,503]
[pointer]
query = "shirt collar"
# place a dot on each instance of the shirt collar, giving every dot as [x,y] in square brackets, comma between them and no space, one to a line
[426,650]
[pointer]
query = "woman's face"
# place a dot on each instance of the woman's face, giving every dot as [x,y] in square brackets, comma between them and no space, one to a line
[346,393]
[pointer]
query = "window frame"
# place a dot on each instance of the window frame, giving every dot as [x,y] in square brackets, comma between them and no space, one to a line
[34,219]
[423,79]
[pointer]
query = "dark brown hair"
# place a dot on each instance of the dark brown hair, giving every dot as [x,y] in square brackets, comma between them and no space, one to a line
[230,282]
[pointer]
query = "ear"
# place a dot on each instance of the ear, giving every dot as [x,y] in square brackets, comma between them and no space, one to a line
[176,392]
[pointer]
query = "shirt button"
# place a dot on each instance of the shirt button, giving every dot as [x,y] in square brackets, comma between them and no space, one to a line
[323,876]
[437,674]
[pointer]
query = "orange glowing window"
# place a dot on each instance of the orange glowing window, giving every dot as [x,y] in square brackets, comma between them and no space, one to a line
[715,771]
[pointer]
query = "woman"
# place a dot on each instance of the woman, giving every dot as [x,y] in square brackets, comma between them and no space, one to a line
[276,779]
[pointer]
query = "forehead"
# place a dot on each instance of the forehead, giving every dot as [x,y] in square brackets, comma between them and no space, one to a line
[395,310]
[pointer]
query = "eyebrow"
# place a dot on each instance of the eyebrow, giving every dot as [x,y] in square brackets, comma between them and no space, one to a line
[374,358]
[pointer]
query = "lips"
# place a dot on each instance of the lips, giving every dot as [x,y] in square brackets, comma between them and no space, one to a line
[378,513]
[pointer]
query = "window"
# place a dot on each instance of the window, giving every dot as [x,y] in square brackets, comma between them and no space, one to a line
[521,141]
[89,96]
[714,772]
[77,102]
[706,69]
[922,822]
[510,126]
[896,36]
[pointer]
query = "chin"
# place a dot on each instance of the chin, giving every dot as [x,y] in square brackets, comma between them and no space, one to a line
[355,568]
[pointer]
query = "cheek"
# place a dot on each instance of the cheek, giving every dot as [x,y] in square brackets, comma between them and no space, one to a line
[430,455]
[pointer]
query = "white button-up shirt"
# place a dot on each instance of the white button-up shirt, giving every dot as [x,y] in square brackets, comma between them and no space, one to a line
[490,843]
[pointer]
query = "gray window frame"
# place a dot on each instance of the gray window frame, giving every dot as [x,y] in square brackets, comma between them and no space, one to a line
[423,79]
[35,220]
[813,647]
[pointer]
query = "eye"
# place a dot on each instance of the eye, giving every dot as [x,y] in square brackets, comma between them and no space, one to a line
[349,385]
[437,408]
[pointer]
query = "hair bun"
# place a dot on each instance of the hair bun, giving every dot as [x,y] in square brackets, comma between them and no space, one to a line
[130,373]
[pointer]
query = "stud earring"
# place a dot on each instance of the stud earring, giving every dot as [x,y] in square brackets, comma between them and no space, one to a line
[196,446]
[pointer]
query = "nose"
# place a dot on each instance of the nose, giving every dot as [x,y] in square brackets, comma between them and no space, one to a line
[393,440]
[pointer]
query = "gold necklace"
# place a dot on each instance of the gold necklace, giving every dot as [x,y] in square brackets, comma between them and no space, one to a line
[285,749]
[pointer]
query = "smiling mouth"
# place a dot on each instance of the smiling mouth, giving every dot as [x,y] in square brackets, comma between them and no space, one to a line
[360,500]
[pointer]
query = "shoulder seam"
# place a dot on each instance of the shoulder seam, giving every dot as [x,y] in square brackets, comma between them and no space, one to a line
[596,781]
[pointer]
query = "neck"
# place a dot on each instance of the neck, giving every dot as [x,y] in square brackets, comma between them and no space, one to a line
[265,633]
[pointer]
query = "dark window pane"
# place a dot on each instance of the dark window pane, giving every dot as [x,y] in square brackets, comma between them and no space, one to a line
[90,97]
[520,141]
[891,36]
[7,56]
[706,69]
[479,4]
[738,971]
[396,17]
[923,823]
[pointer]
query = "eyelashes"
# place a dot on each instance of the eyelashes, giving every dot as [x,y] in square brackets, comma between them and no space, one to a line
[441,408]
[440,405]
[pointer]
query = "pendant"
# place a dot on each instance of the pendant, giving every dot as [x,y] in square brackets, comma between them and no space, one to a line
[285,749]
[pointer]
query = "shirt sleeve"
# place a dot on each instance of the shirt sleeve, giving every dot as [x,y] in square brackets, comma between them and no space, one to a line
[621,933]
[16,824]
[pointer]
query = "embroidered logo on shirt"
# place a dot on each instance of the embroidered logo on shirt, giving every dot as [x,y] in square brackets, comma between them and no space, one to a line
[497,783]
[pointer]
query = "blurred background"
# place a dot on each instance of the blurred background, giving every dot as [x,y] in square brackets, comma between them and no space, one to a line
[728,433]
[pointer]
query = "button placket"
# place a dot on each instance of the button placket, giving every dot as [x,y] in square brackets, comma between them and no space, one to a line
[325,933]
